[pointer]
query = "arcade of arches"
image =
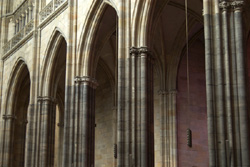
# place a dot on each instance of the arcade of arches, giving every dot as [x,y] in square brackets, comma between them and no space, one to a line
[114,83]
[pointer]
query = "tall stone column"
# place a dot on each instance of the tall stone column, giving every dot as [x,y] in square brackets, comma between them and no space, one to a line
[134,111]
[241,82]
[226,84]
[169,129]
[47,110]
[142,126]
[84,121]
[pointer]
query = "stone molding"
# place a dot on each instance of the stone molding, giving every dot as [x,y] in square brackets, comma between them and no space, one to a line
[6,117]
[133,50]
[167,92]
[50,8]
[46,98]
[144,50]
[88,80]
[52,15]
[235,5]
[139,51]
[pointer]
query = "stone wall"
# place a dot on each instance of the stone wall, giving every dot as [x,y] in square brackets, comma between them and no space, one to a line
[157,123]
[196,117]
[104,122]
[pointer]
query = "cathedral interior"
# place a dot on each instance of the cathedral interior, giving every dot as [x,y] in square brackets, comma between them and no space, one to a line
[124,83]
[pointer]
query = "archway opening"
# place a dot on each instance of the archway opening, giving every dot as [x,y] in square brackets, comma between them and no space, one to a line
[21,103]
[59,95]
[105,72]
[194,118]
[56,93]
[171,119]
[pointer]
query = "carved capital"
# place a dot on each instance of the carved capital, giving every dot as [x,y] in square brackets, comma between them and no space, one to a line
[46,98]
[133,51]
[88,80]
[224,5]
[144,50]
[7,117]
[237,5]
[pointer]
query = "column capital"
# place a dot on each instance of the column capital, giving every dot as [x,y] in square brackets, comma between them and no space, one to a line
[138,51]
[86,79]
[237,5]
[46,98]
[224,5]
[144,50]
[133,50]
[6,117]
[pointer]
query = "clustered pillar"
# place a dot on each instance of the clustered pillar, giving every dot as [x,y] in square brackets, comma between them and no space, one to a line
[226,84]
[84,121]
[141,124]
[47,110]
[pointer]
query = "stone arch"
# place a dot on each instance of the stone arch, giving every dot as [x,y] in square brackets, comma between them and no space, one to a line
[103,66]
[51,100]
[15,116]
[146,24]
[49,61]
[170,57]
[86,59]
[172,81]
[13,81]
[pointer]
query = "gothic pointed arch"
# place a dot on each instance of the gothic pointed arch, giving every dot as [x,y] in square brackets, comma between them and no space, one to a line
[48,65]
[51,100]
[87,57]
[15,116]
